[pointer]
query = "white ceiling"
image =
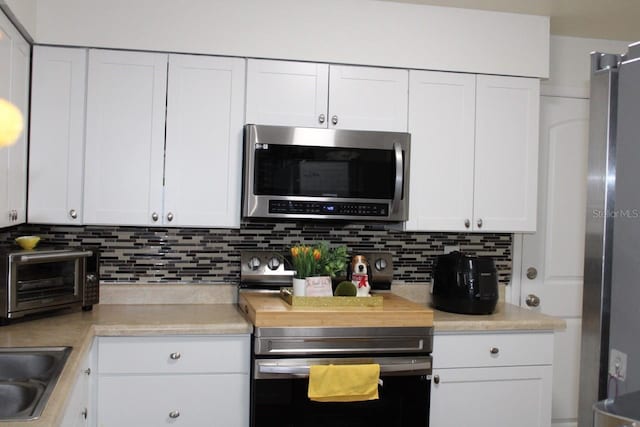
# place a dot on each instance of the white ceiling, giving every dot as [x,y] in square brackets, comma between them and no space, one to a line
[600,19]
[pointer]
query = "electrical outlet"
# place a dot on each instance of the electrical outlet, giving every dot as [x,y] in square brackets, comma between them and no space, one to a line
[618,364]
[453,248]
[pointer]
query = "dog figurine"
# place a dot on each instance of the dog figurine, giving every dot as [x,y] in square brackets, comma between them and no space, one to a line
[360,275]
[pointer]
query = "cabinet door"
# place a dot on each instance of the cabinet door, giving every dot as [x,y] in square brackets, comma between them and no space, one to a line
[204,141]
[17,177]
[126,106]
[488,397]
[441,123]
[506,153]
[5,93]
[287,93]
[187,400]
[368,98]
[56,157]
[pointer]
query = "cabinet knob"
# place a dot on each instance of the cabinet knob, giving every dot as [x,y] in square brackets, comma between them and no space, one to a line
[467,223]
[174,414]
[175,356]
[479,223]
[532,273]
[87,371]
[532,300]
[494,350]
[334,120]
[321,118]
[85,413]
[436,379]
[154,217]
[169,217]
[73,214]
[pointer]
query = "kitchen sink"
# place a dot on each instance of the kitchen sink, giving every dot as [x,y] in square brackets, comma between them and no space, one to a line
[27,378]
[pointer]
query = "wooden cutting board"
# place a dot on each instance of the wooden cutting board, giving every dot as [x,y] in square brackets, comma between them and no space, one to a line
[268,309]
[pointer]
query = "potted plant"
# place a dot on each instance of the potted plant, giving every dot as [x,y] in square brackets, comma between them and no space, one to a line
[319,262]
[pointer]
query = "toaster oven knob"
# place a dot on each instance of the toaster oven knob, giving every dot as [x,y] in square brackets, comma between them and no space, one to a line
[273,263]
[254,263]
[380,264]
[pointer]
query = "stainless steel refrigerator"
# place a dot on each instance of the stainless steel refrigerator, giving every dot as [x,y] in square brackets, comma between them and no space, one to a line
[611,296]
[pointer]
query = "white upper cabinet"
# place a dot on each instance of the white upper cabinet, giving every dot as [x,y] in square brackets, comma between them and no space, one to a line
[506,167]
[368,98]
[319,95]
[56,152]
[15,62]
[287,93]
[204,141]
[126,106]
[131,177]
[474,152]
[441,123]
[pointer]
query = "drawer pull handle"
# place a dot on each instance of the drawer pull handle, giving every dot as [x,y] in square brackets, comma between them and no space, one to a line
[494,350]
[175,356]
[174,414]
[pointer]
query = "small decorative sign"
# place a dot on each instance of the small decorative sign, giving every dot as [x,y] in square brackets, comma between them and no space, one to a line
[318,286]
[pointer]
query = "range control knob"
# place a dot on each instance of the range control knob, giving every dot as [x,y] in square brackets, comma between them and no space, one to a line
[273,263]
[380,264]
[254,263]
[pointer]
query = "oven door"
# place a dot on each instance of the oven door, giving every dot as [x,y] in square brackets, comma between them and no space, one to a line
[279,394]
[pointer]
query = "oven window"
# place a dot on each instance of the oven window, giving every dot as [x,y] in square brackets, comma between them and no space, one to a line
[404,402]
[286,170]
[37,281]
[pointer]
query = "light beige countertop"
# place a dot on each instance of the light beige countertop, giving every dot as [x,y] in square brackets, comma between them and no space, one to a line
[78,330]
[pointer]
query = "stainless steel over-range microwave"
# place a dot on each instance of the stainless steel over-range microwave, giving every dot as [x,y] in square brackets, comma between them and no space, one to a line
[308,173]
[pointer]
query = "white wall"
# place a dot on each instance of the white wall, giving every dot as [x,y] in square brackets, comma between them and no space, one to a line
[343,31]
[25,12]
[570,67]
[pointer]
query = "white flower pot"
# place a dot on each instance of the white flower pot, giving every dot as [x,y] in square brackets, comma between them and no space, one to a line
[299,287]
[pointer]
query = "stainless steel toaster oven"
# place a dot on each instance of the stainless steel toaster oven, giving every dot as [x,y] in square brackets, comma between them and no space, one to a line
[43,280]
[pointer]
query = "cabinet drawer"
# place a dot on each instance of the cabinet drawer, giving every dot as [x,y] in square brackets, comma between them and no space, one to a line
[181,400]
[174,355]
[485,350]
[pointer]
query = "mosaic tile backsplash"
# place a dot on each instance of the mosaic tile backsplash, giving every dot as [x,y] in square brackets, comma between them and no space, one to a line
[194,255]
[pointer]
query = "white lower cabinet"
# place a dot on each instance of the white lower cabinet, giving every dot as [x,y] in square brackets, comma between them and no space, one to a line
[80,408]
[492,379]
[181,380]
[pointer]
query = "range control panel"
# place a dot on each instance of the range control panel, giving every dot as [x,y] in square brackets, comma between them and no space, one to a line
[265,269]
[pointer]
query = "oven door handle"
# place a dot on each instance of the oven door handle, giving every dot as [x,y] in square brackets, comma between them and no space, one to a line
[54,256]
[300,368]
[397,189]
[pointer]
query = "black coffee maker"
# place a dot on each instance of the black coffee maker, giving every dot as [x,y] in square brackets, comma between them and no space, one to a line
[465,284]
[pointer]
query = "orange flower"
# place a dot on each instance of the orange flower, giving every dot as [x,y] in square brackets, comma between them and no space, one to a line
[317,254]
[294,251]
[305,249]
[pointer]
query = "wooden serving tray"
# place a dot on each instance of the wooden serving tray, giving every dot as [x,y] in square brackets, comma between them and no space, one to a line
[372,301]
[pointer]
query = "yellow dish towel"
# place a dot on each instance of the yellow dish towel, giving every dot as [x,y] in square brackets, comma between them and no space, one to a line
[343,383]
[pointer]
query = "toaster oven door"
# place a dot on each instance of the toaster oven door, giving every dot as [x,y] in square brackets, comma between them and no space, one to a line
[45,280]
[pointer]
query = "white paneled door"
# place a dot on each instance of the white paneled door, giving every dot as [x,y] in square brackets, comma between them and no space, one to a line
[205,114]
[126,106]
[442,116]
[552,258]
[368,98]
[287,93]
[506,153]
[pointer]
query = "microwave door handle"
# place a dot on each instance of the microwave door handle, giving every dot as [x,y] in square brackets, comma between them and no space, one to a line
[57,256]
[397,190]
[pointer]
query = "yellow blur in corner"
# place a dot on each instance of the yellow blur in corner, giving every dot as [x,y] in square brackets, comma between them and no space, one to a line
[11,123]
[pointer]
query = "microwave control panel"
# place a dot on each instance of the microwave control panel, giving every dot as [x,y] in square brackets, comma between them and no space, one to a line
[327,208]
